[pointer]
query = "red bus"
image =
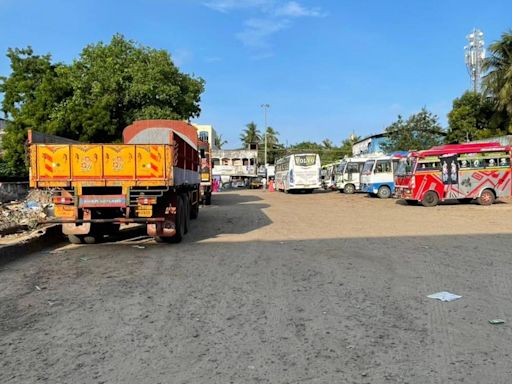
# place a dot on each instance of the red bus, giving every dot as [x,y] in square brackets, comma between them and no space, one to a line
[463,172]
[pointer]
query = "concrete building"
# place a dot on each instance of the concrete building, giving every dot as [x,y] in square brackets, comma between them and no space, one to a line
[206,132]
[234,164]
[370,144]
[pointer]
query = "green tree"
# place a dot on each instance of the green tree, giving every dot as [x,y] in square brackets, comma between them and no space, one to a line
[346,145]
[273,146]
[31,93]
[471,118]
[251,134]
[219,141]
[327,143]
[420,131]
[93,99]
[497,83]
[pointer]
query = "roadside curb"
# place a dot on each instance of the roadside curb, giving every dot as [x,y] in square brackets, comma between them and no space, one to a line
[41,239]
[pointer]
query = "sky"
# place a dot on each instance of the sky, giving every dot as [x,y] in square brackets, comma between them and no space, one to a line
[326,68]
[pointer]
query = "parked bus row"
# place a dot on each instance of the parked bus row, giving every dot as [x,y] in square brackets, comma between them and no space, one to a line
[463,172]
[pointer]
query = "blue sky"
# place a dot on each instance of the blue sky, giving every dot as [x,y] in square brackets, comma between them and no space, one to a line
[327,68]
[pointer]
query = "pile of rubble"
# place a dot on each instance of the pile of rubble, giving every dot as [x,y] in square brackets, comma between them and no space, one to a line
[23,215]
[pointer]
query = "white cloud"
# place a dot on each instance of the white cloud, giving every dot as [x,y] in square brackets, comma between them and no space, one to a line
[294,9]
[228,5]
[272,17]
[258,31]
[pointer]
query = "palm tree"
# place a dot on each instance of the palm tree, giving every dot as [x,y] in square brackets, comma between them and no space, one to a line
[272,137]
[219,141]
[250,134]
[327,143]
[498,81]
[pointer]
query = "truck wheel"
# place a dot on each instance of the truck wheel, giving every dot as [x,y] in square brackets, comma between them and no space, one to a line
[91,239]
[430,199]
[486,197]
[194,210]
[384,192]
[75,239]
[349,189]
[187,209]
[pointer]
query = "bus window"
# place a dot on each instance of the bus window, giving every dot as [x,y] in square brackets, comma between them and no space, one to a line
[504,162]
[383,166]
[352,168]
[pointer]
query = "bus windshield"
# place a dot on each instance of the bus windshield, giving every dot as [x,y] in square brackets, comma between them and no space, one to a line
[341,168]
[406,166]
[305,160]
[368,166]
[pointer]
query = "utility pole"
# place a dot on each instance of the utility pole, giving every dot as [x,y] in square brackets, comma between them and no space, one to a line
[474,56]
[265,109]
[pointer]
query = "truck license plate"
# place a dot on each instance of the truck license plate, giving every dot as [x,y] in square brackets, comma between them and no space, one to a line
[144,210]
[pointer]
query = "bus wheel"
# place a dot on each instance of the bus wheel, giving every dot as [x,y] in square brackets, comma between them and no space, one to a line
[487,197]
[384,192]
[349,189]
[75,239]
[430,199]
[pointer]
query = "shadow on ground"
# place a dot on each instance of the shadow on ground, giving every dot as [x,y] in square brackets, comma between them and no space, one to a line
[345,310]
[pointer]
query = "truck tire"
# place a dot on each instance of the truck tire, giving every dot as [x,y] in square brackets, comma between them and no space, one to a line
[487,197]
[194,210]
[349,189]
[384,192]
[180,226]
[75,239]
[430,199]
[187,208]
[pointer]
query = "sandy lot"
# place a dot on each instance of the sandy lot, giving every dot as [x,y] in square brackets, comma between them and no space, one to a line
[271,288]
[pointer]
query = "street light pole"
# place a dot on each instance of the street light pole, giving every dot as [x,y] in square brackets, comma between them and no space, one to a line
[265,109]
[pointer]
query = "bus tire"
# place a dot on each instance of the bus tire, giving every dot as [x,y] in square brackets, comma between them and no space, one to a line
[384,192]
[349,189]
[75,239]
[430,199]
[487,197]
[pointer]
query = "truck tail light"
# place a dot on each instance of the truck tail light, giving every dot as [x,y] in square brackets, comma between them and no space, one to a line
[146,200]
[62,200]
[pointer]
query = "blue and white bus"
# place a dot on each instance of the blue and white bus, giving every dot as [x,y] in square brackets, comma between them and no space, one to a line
[298,172]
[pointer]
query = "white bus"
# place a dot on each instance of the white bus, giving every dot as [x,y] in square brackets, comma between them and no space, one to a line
[378,176]
[298,172]
[349,173]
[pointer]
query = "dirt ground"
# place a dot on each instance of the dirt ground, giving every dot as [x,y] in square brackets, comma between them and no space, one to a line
[271,288]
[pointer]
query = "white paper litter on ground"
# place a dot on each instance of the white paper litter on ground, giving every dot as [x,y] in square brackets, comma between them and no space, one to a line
[444,296]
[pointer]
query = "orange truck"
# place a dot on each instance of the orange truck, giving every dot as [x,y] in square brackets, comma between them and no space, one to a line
[152,179]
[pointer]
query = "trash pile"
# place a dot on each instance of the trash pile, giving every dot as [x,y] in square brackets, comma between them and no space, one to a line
[22,215]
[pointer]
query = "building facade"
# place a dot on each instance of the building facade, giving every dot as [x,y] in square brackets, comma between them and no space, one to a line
[207,133]
[369,145]
[237,163]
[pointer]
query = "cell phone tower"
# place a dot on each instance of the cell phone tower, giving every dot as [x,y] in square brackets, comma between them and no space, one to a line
[474,55]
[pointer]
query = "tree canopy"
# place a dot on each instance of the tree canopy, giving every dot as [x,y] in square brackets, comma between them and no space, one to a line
[94,98]
[420,131]
[497,83]
[471,118]
[251,134]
